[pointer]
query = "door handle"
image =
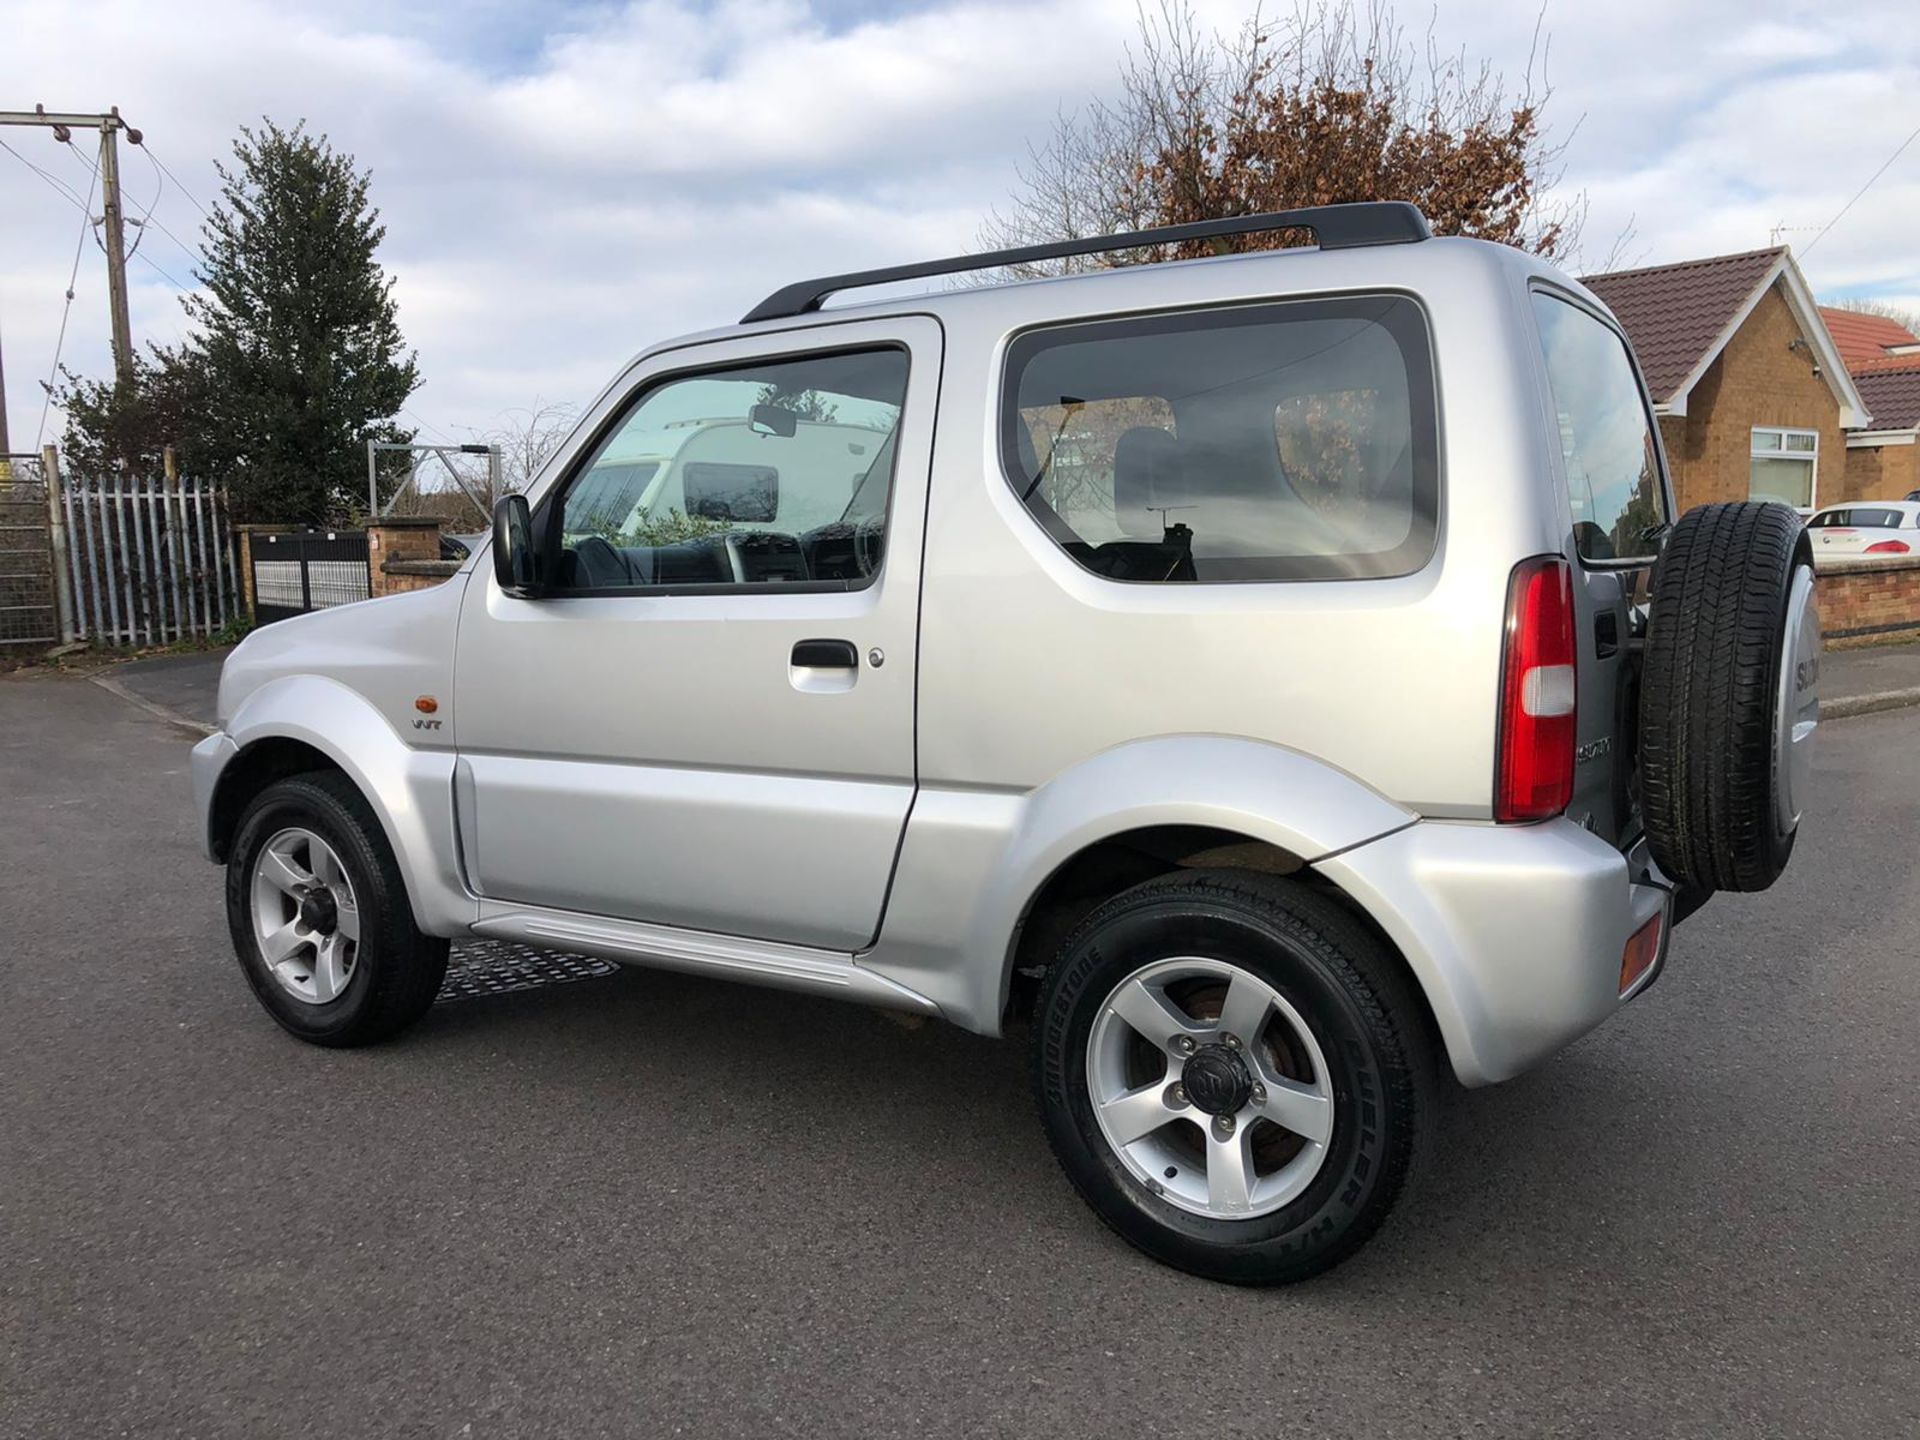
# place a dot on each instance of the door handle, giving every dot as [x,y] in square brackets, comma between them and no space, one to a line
[825,655]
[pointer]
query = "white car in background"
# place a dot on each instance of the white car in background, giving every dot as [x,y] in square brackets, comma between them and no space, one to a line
[1865,529]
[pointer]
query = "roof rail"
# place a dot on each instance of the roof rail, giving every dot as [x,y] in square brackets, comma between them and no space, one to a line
[1337,227]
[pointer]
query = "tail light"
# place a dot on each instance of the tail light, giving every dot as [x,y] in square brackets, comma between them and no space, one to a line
[1533,763]
[1887,547]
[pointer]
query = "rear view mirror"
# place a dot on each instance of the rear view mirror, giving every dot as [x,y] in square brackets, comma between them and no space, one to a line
[513,556]
[774,420]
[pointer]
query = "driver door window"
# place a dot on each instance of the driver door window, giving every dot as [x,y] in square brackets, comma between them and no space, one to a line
[775,474]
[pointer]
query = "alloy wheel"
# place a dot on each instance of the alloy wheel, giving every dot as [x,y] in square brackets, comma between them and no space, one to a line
[306,918]
[1210,1088]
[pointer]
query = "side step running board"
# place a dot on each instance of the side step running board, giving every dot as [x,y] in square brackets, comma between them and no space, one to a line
[757,962]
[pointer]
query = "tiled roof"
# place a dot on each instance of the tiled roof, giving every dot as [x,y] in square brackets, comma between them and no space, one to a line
[1887,362]
[1863,338]
[1674,313]
[1893,395]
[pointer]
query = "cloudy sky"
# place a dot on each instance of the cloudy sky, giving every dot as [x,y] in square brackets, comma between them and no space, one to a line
[564,183]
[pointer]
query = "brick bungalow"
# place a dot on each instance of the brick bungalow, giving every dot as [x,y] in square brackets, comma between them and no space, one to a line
[1883,462]
[1752,396]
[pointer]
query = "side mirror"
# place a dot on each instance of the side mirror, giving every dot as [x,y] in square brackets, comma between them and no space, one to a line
[773,420]
[513,546]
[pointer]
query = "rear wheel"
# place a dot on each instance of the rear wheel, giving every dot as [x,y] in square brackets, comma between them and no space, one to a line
[1233,1073]
[319,916]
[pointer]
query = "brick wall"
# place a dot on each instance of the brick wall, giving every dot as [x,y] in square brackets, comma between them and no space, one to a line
[397,576]
[1862,601]
[1673,439]
[404,540]
[1882,472]
[1757,380]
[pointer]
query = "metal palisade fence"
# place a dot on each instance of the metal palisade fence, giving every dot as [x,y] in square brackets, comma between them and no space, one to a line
[28,615]
[150,559]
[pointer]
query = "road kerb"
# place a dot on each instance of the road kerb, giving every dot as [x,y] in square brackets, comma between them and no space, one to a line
[1845,705]
[152,707]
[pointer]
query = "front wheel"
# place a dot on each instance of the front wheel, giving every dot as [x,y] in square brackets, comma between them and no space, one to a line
[320,919]
[1233,1073]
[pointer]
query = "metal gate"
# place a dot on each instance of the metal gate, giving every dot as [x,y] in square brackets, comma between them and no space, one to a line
[301,570]
[28,614]
[148,559]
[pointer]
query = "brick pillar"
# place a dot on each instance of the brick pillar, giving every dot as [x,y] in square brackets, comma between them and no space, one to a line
[399,538]
[246,534]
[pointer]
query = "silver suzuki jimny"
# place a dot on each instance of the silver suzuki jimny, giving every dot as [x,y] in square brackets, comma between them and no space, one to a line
[1263,679]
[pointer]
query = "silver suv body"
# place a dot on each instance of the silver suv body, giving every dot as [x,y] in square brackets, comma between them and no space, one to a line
[870,652]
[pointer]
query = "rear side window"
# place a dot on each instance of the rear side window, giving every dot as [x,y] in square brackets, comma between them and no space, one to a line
[1293,441]
[1606,435]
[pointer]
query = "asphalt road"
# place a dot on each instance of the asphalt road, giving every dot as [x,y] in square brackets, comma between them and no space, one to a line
[185,684]
[651,1205]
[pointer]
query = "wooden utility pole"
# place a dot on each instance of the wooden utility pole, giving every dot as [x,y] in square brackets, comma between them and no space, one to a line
[116,254]
[114,217]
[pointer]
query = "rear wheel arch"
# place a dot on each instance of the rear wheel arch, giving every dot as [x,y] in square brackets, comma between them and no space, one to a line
[1111,866]
[1144,808]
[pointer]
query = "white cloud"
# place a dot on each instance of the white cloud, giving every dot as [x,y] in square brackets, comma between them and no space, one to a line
[564,184]
[1772,41]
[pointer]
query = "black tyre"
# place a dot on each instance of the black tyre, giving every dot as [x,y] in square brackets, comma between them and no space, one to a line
[1267,1057]
[320,918]
[1729,695]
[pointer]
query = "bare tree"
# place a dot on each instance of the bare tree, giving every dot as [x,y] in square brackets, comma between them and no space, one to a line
[1333,104]
[527,438]
[457,487]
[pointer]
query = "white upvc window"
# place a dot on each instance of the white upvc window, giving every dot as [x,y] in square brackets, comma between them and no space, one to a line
[1783,465]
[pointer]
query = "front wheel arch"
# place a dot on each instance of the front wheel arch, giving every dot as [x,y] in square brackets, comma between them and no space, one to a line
[329,727]
[257,766]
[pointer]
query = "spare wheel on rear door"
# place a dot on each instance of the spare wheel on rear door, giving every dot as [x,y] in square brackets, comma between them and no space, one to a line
[1729,695]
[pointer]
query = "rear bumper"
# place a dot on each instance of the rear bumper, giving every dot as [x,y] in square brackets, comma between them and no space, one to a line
[1515,932]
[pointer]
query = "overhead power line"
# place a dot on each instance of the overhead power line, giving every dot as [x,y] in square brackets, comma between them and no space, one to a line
[155,265]
[73,277]
[65,191]
[161,165]
[409,413]
[159,172]
[103,174]
[72,198]
[1898,151]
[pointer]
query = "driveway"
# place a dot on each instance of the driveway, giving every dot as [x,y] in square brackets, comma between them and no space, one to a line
[646,1204]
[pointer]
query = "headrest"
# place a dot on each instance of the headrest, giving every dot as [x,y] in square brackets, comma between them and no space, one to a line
[1149,477]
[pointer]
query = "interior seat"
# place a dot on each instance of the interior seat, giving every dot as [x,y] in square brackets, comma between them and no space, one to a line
[1151,489]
